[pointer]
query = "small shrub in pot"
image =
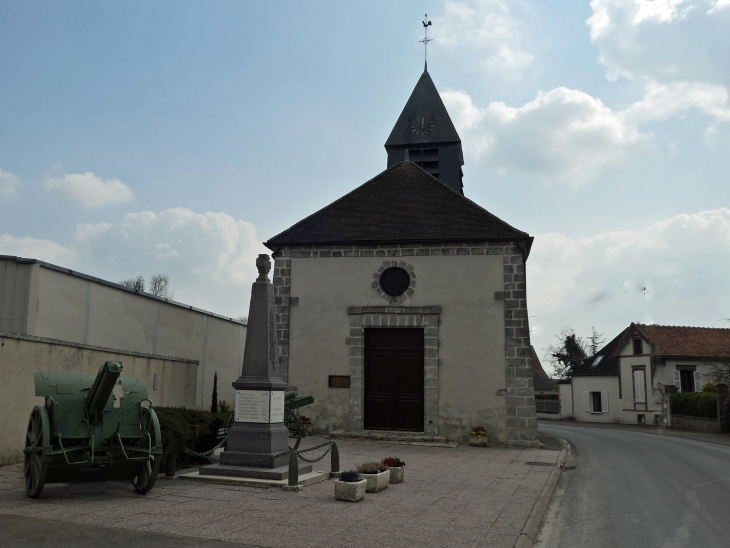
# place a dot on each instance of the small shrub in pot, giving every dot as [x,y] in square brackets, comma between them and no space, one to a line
[478,437]
[376,474]
[350,487]
[396,467]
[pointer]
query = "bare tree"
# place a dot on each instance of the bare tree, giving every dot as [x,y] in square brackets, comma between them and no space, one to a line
[566,353]
[595,341]
[134,283]
[160,286]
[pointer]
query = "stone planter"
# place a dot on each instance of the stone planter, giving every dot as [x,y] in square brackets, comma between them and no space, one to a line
[396,473]
[478,440]
[377,482]
[351,491]
[309,428]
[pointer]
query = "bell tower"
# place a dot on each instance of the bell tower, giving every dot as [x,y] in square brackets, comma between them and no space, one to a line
[425,135]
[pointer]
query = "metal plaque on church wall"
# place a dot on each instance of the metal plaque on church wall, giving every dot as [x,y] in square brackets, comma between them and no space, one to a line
[276,413]
[252,406]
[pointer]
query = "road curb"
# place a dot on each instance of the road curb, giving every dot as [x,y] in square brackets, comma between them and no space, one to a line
[529,531]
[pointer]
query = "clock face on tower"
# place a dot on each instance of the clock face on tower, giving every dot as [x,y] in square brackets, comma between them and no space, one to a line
[422,126]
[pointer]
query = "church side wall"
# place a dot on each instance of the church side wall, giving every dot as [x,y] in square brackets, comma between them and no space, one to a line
[481,375]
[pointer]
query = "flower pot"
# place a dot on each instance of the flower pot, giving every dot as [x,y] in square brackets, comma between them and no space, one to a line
[396,473]
[351,491]
[478,440]
[377,482]
[309,428]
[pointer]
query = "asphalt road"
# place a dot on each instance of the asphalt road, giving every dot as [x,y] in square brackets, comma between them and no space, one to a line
[632,489]
[21,532]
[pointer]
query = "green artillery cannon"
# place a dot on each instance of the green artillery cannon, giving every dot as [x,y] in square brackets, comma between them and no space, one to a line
[91,428]
[292,402]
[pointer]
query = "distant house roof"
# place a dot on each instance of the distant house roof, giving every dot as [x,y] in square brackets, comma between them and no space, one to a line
[605,362]
[682,341]
[540,379]
[667,341]
[402,204]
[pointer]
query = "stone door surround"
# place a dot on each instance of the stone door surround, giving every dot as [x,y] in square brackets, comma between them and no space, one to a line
[426,317]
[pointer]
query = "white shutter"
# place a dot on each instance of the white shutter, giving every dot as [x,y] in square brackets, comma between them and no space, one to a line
[639,386]
[587,401]
[604,402]
[677,381]
[698,382]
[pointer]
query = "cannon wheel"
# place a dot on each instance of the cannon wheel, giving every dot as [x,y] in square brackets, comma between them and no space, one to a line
[37,436]
[147,471]
[295,427]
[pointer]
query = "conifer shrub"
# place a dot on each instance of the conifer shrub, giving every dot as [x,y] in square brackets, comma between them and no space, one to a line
[183,428]
[695,404]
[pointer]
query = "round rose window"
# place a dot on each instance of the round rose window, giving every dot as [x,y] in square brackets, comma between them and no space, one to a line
[395,281]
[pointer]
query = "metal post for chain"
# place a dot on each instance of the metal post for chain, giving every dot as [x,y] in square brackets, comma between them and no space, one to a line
[293,468]
[335,461]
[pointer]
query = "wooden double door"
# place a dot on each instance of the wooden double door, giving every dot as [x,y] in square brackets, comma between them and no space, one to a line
[394,383]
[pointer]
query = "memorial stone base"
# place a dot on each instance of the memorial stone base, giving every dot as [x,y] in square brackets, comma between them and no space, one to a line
[278,473]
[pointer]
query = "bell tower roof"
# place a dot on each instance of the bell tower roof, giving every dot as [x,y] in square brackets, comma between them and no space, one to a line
[424,103]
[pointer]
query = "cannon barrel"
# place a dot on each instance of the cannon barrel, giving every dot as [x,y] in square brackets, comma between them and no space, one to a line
[100,391]
[290,395]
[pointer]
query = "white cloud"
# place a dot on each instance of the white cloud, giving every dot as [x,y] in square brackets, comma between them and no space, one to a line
[9,183]
[90,190]
[32,248]
[663,40]
[718,5]
[569,136]
[486,26]
[661,102]
[670,272]
[210,257]
[562,135]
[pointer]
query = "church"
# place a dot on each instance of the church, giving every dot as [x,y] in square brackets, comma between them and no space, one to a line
[401,307]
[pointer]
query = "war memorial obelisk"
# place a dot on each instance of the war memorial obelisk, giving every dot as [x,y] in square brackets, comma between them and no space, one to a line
[258,434]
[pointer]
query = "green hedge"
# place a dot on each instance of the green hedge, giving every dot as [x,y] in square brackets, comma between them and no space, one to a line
[187,428]
[695,404]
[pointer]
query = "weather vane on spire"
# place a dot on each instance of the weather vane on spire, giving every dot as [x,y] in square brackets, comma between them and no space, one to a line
[425,42]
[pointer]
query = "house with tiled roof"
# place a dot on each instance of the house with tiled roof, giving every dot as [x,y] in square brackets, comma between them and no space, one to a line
[402,306]
[626,381]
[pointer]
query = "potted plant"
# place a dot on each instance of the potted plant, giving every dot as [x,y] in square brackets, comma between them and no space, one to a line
[350,487]
[307,424]
[478,437]
[376,474]
[396,467]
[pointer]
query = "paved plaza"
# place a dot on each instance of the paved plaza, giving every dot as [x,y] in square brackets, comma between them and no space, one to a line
[464,496]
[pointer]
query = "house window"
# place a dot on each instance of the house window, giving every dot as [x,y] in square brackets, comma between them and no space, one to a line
[639,386]
[595,402]
[637,347]
[688,380]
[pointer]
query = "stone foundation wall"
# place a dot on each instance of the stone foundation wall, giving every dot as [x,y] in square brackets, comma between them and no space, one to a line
[698,424]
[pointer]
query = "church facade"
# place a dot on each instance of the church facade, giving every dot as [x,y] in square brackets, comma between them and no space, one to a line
[401,307]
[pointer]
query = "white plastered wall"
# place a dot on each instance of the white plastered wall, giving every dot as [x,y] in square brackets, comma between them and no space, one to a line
[471,351]
[607,385]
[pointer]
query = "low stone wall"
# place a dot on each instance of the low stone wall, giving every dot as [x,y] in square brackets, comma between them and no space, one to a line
[22,355]
[698,424]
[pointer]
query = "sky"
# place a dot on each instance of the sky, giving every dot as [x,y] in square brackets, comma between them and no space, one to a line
[140,138]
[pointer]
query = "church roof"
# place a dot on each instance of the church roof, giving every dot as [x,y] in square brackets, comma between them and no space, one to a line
[402,204]
[425,101]
[540,380]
